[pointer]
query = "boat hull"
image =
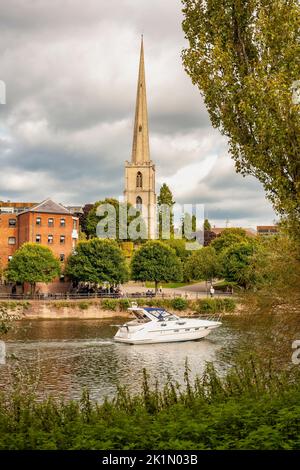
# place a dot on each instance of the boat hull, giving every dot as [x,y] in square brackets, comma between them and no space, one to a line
[164,338]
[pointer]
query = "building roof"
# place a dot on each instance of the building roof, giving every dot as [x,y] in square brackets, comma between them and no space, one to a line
[75,209]
[16,204]
[267,227]
[9,207]
[50,207]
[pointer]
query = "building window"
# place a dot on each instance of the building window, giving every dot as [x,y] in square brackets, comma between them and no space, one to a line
[62,222]
[9,258]
[139,180]
[50,222]
[50,239]
[11,240]
[62,239]
[139,203]
[38,221]
[38,239]
[12,222]
[62,257]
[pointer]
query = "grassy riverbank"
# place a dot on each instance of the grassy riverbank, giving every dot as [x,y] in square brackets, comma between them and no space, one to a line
[98,308]
[253,407]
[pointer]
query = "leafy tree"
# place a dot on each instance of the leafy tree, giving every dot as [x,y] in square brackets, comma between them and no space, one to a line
[179,246]
[203,264]
[229,237]
[155,261]
[93,218]
[277,267]
[238,265]
[206,225]
[83,218]
[165,204]
[97,260]
[33,263]
[244,58]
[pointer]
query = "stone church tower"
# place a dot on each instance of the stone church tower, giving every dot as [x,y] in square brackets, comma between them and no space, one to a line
[140,171]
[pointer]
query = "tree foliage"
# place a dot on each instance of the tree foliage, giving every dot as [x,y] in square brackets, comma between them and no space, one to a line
[165,204]
[33,263]
[239,266]
[244,58]
[7,319]
[179,246]
[229,237]
[277,267]
[97,261]
[206,225]
[155,261]
[203,264]
[93,219]
[84,217]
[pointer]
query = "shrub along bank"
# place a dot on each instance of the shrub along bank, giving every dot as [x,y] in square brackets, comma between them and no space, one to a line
[178,303]
[252,407]
[59,308]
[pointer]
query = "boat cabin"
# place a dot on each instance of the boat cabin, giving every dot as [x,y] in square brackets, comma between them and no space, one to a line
[146,314]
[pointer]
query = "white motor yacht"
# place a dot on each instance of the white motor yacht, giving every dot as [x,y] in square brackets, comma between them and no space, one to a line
[156,325]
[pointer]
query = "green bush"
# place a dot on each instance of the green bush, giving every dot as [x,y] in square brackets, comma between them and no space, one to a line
[160,303]
[229,304]
[109,304]
[214,305]
[206,306]
[15,305]
[63,304]
[124,304]
[84,305]
[179,303]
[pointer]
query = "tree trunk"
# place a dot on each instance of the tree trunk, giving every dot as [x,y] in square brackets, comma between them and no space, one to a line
[32,289]
[156,288]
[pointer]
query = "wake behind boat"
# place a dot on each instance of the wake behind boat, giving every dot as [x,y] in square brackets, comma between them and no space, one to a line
[156,325]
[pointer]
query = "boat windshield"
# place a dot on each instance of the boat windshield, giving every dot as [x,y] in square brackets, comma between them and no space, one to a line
[160,314]
[140,316]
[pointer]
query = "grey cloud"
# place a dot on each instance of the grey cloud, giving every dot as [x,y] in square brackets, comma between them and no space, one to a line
[71,70]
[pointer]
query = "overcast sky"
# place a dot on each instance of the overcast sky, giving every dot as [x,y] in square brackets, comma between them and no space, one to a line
[70,69]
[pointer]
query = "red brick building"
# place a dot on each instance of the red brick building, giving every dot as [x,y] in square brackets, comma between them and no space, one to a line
[267,230]
[47,223]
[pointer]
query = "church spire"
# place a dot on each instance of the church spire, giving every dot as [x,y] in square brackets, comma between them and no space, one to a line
[140,146]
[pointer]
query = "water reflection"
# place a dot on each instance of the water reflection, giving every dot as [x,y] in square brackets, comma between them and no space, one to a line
[68,355]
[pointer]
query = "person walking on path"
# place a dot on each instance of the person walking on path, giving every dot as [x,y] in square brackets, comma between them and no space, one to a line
[211,291]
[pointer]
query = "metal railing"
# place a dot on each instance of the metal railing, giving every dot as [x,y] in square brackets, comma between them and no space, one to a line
[106,295]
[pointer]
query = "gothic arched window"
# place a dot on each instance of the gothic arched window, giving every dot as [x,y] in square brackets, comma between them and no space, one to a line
[139,180]
[139,203]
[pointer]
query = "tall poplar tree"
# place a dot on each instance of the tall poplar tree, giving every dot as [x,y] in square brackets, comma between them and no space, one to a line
[165,203]
[243,55]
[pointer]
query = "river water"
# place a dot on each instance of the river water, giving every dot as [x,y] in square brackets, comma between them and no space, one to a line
[62,357]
